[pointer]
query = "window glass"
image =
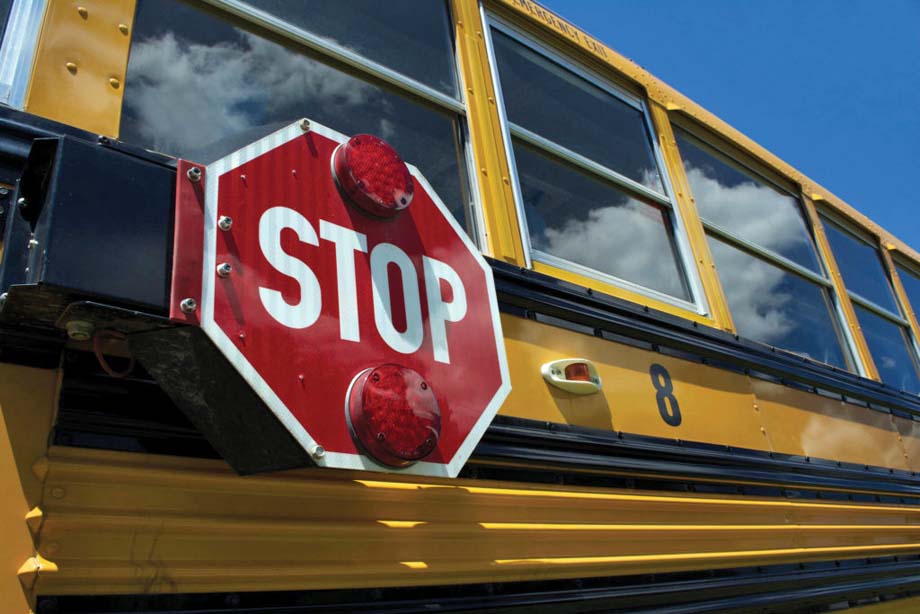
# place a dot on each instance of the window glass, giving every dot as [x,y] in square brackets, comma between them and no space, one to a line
[776,307]
[889,345]
[860,267]
[409,36]
[4,15]
[911,285]
[199,87]
[553,102]
[747,207]
[576,217]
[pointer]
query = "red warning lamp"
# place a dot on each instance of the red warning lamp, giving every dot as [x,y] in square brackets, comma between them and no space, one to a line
[578,372]
[372,175]
[393,415]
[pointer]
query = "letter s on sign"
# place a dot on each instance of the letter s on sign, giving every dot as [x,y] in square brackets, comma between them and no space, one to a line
[306,312]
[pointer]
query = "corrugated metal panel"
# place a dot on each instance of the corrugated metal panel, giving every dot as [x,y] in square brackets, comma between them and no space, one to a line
[126,523]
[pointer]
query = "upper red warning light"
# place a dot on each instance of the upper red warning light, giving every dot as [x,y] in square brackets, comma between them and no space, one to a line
[373,176]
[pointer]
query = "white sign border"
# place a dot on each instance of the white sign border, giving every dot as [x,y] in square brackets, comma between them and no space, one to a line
[252,377]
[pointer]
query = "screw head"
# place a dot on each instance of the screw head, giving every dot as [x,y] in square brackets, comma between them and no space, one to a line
[318,452]
[188,305]
[4,191]
[224,269]
[305,124]
[194,174]
[79,330]
[225,222]
[22,202]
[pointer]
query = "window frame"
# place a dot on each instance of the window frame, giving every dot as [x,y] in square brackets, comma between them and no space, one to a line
[827,217]
[17,50]
[858,234]
[326,50]
[902,263]
[840,322]
[667,199]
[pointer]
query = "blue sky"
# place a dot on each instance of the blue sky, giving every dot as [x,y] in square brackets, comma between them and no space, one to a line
[830,86]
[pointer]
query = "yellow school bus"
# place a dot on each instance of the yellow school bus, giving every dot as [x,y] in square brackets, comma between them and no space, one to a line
[747,436]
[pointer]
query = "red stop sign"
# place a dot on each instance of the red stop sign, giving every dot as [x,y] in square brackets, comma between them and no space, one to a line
[303,292]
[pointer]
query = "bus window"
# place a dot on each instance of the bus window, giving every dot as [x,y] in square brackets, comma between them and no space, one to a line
[911,283]
[413,38]
[201,84]
[590,189]
[5,6]
[886,331]
[767,262]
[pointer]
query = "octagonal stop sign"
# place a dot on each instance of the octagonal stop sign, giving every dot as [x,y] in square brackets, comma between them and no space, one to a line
[371,335]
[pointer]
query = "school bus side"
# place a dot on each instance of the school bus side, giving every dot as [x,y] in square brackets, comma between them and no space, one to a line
[755,441]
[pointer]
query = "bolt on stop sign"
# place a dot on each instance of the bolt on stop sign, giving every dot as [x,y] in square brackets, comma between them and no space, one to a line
[342,290]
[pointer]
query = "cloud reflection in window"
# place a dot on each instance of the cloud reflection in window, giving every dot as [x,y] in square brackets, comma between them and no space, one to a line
[776,307]
[187,95]
[199,87]
[572,216]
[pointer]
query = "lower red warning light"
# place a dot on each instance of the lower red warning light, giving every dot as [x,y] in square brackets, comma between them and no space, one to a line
[394,415]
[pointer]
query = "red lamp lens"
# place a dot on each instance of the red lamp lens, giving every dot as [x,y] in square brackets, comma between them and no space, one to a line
[578,372]
[394,415]
[373,176]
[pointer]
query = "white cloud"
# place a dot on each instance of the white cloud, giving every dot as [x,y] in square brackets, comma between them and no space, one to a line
[629,241]
[752,211]
[187,96]
[760,310]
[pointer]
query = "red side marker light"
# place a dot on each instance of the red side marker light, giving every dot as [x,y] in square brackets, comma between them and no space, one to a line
[373,176]
[393,415]
[578,372]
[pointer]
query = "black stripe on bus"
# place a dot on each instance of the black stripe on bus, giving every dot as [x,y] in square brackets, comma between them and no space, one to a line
[789,589]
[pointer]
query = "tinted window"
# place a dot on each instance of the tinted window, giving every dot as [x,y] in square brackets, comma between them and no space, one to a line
[888,344]
[198,87]
[581,219]
[553,102]
[4,15]
[860,267]
[410,36]
[911,285]
[776,307]
[746,206]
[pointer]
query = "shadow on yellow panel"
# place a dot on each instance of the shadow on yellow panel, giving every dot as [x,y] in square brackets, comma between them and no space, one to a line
[909,430]
[812,425]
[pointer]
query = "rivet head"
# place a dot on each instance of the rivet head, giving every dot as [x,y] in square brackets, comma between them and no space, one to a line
[305,124]
[194,174]
[83,12]
[188,305]
[318,452]
[123,28]
[224,269]
[115,83]
[225,222]
[71,67]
